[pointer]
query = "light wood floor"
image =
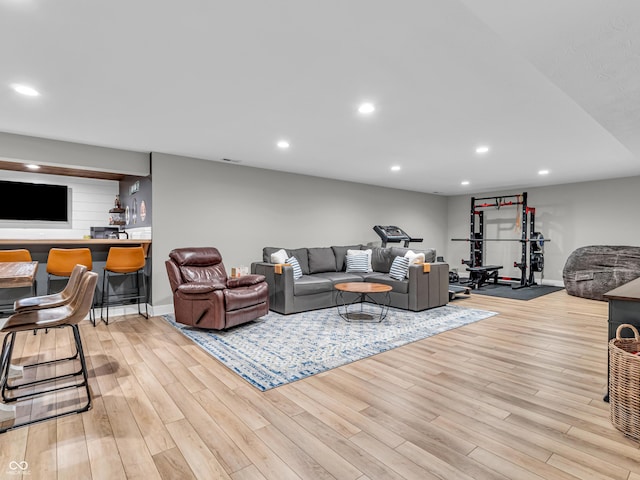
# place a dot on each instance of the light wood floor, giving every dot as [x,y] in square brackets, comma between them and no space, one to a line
[518,395]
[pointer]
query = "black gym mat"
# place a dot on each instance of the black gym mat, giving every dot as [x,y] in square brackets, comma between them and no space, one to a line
[505,291]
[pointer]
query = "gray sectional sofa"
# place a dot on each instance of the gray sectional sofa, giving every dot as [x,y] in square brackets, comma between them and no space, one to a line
[427,285]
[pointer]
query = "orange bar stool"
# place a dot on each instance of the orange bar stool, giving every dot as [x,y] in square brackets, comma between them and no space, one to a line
[19,255]
[123,261]
[61,261]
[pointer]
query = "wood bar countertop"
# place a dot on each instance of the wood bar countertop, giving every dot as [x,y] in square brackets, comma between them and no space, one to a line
[629,291]
[74,243]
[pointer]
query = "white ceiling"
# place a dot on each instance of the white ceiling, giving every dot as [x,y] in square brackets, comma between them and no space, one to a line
[547,84]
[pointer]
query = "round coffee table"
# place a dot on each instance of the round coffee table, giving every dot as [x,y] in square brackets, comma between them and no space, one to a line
[365,289]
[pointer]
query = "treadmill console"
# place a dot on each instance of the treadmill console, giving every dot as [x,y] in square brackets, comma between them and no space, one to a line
[393,234]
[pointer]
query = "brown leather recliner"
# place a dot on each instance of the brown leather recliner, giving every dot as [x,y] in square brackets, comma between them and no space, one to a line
[204,297]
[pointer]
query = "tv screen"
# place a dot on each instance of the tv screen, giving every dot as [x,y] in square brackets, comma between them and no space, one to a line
[33,201]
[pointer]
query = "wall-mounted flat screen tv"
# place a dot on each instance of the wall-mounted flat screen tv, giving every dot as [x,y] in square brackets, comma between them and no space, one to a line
[33,201]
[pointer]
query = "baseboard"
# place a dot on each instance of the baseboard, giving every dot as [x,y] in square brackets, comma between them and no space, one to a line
[553,283]
[120,310]
[161,309]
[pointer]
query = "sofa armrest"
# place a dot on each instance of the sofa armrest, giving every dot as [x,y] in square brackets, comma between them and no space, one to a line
[428,285]
[280,285]
[277,268]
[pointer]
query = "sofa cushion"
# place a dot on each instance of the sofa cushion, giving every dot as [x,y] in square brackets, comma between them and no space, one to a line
[340,253]
[369,276]
[399,268]
[311,284]
[399,286]
[297,271]
[340,277]
[302,257]
[381,259]
[357,263]
[321,260]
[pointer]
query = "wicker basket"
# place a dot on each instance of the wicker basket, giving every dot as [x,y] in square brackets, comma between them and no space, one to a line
[624,382]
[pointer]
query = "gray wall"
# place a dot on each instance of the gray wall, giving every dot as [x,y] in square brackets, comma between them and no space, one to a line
[604,212]
[72,155]
[240,210]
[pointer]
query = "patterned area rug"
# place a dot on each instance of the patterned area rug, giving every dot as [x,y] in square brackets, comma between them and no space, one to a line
[278,349]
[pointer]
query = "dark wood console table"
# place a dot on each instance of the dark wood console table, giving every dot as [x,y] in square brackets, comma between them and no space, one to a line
[624,307]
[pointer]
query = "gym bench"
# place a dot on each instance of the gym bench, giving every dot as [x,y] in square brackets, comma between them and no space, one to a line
[481,275]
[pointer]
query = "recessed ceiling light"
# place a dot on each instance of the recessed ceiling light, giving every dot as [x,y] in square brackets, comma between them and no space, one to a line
[482,149]
[543,172]
[25,90]
[464,182]
[283,144]
[32,166]
[395,168]
[366,108]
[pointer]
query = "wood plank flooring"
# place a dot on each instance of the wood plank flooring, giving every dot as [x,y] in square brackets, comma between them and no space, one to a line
[516,396]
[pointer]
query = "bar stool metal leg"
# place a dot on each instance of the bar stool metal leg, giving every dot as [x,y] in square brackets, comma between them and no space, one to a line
[124,261]
[83,384]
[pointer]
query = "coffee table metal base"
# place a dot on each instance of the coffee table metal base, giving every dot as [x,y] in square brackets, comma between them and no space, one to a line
[347,311]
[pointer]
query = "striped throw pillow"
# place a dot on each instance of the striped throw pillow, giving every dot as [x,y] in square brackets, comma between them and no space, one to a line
[399,268]
[358,263]
[297,271]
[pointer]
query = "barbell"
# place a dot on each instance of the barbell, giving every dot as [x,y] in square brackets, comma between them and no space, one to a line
[537,239]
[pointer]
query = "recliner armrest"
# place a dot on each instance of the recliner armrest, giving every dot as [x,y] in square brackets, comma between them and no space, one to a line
[200,287]
[245,280]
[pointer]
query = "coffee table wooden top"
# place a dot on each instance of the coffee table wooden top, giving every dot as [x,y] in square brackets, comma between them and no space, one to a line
[363,287]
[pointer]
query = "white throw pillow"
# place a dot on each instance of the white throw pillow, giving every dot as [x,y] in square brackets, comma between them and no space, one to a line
[369,252]
[414,258]
[280,256]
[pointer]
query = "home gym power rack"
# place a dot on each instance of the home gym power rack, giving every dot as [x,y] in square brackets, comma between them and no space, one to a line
[476,240]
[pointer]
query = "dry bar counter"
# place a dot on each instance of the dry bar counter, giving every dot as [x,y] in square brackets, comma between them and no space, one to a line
[91,243]
[99,247]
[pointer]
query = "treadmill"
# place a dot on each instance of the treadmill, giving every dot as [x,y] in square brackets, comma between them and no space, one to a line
[393,234]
